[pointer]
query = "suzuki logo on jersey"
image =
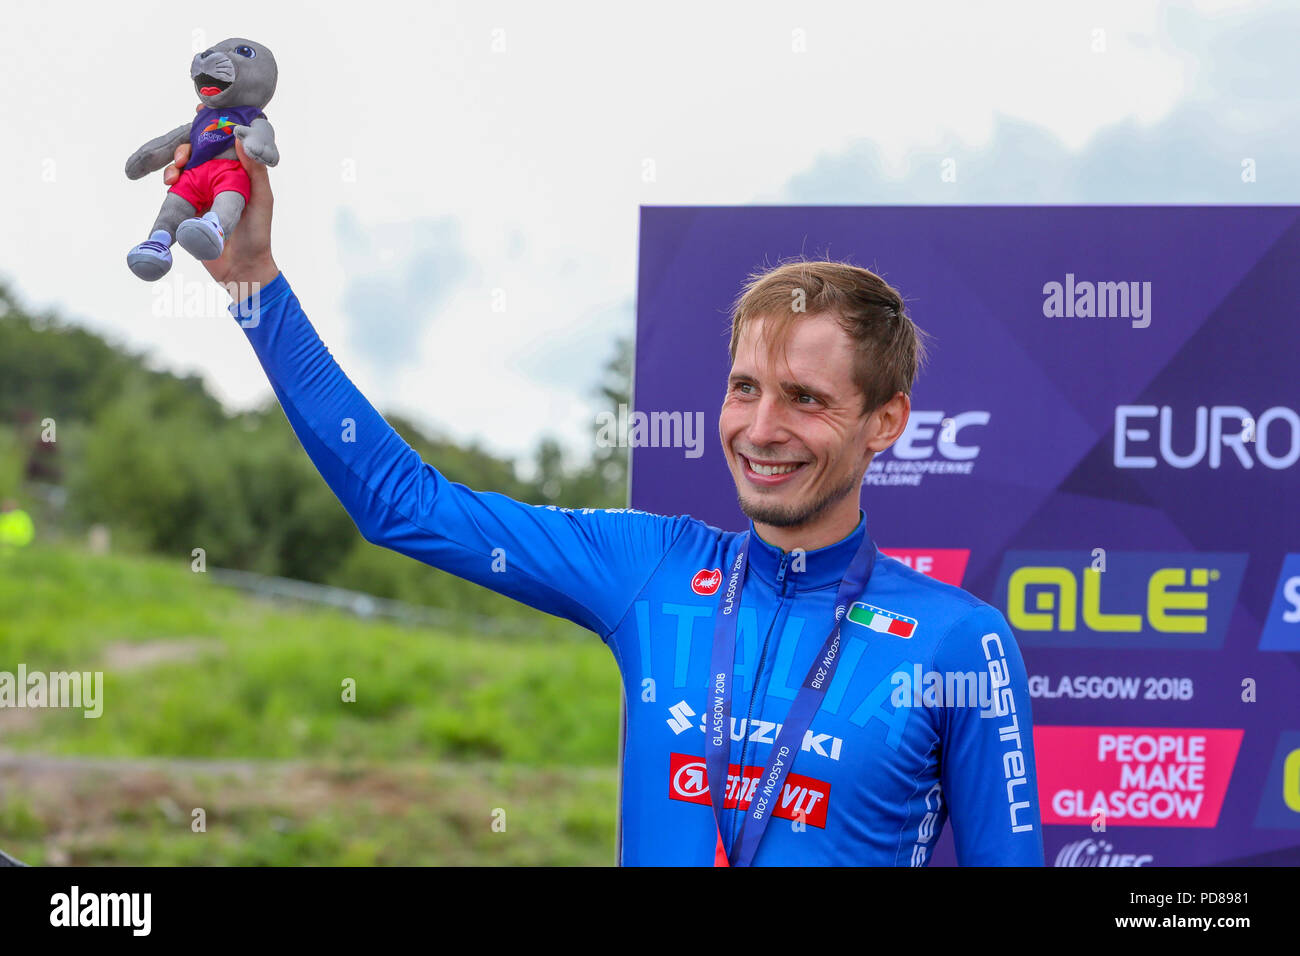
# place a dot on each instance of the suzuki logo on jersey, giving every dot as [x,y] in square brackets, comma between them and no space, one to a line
[802,798]
[882,621]
[1273,439]
[1134,776]
[943,564]
[1140,599]
[706,582]
[681,712]
[759,731]
[1282,626]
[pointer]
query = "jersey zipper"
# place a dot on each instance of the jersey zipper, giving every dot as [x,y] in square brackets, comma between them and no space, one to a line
[753,691]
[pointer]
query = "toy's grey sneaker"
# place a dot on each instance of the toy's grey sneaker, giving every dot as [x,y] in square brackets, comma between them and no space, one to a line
[202,238]
[151,259]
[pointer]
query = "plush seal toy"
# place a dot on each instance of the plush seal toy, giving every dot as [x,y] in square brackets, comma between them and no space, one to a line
[234,79]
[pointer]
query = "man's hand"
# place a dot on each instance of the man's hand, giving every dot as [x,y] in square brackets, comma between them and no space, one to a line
[247,256]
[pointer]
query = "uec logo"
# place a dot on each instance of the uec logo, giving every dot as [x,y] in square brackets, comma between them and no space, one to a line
[1142,599]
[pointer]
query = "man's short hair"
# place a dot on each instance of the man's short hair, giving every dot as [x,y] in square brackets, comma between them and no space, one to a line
[890,347]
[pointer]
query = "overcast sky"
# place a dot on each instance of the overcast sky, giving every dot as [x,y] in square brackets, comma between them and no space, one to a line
[438,155]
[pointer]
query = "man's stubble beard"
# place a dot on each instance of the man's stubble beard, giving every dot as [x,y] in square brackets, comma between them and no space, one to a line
[785,516]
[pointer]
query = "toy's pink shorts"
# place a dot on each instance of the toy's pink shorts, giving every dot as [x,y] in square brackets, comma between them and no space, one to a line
[197,186]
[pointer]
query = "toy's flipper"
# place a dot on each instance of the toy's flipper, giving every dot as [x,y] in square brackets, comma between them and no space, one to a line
[259,142]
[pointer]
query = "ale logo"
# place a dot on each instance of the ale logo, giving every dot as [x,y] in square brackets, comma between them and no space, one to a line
[1164,599]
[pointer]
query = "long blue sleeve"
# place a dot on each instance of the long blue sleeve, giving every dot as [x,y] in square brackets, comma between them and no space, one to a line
[587,566]
[987,750]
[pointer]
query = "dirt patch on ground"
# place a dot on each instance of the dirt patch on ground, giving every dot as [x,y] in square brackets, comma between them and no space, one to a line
[138,655]
[119,657]
[16,719]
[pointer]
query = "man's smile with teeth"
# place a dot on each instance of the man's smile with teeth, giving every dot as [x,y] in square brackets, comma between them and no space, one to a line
[782,469]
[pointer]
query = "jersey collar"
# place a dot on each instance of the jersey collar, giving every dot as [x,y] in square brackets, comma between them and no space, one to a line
[823,567]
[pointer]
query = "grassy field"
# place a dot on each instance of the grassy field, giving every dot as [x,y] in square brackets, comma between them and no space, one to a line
[220,703]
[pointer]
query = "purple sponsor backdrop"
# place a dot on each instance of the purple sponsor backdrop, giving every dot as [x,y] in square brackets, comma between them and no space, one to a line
[1166,558]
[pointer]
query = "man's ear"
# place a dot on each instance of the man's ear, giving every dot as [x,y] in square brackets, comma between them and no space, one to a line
[888,422]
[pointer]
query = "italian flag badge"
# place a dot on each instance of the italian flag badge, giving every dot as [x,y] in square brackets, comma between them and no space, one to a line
[878,619]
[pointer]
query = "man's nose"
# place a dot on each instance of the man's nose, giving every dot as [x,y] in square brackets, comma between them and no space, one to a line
[768,424]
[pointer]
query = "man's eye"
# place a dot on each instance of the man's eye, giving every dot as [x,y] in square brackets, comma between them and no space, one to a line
[812,399]
[741,387]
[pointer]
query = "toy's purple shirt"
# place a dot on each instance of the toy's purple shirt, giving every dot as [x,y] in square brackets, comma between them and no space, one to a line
[213,131]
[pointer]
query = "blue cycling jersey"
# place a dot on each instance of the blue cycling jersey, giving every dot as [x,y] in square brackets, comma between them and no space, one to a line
[927,718]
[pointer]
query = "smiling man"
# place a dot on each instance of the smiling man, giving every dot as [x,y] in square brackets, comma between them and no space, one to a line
[811,398]
[795,697]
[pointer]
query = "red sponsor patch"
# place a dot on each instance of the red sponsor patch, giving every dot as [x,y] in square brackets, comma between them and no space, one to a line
[1134,776]
[943,564]
[801,797]
[706,582]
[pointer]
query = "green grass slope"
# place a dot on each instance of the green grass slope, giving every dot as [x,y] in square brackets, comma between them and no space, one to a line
[458,749]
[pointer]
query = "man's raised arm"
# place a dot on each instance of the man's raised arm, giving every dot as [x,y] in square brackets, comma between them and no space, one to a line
[587,566]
